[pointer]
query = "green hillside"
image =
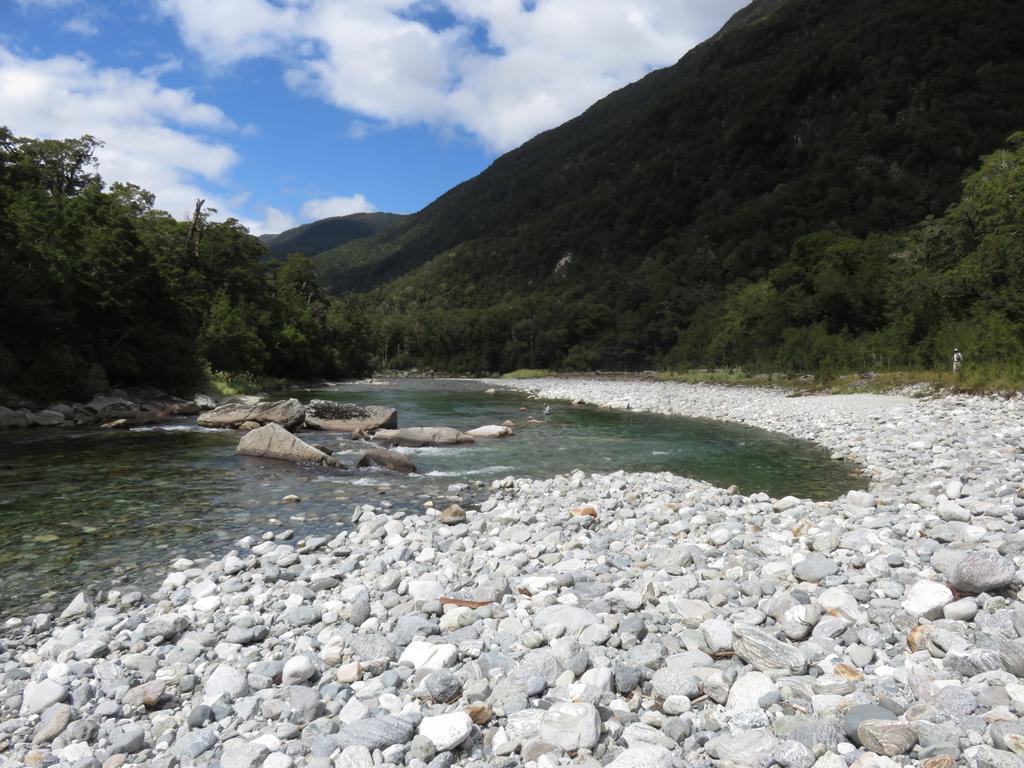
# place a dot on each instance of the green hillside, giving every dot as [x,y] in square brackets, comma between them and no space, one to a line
[325,234]
[608,241]
[99,289]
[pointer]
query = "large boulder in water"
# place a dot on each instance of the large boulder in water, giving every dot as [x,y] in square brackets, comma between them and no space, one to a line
[46,418]
[273,441]
[393,460]
[10,419]
[349,417]
[420,437]
[288,413]
[110,408]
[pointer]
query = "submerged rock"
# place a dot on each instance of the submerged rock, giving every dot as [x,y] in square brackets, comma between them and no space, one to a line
[381,457]
[420,437]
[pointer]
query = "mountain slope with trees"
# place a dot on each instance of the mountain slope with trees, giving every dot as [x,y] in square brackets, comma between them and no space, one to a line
[608,241]
[326,234]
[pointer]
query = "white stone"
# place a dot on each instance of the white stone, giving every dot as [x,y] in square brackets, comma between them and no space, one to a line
[646,756]
[298,669]
[840,600]
[40,695]
[278,760]
[225,679]
[446,731]
[58,672]
[599,678]
[571,726]
[349,673]
[717,634]
[747,690]
[429,656]
[353,710]
[81,606]
[208,603]
[421,589]
[354,756]
[927,598]
[74,752]
[676,705]
[860,499]
[785,503]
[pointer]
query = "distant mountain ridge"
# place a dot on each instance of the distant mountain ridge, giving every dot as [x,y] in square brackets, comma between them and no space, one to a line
[325,234]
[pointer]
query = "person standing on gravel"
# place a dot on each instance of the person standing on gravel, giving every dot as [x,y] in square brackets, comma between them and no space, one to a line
[958,360]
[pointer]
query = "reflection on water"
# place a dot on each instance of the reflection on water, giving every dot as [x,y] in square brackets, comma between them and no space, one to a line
[90,508]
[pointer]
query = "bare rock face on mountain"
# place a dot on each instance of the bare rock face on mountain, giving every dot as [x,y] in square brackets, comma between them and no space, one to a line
[288,413]
[273,441]
[419,437]
[349,417]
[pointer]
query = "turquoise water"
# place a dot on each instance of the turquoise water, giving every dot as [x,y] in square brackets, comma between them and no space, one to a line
[91,508]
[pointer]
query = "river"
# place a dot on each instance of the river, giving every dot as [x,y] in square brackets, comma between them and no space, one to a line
[88,508]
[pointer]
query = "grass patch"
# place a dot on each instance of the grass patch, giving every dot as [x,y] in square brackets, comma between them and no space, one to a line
[528,373]
[233,384]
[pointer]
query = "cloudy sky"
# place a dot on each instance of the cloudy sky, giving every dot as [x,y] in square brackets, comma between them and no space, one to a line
[284,111]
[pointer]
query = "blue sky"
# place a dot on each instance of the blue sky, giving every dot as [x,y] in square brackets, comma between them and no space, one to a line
[283,111]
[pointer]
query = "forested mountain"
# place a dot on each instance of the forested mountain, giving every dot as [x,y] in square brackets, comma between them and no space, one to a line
[624,237]
[326,234]
[99,289]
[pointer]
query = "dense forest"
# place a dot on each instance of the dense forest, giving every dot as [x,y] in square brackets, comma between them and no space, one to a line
[777,199]
[99,289]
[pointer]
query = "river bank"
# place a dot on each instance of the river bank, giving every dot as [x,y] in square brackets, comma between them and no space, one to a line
[624,619]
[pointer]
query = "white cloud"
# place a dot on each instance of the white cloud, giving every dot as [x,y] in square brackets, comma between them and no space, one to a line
[336,206]
[273,222]
[154,136]
[539,67]
[81,26]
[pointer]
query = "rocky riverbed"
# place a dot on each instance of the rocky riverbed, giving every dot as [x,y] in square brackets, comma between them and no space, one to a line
[620,619]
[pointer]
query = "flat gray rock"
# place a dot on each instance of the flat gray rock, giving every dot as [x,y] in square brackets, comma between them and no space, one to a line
[887,737]
[815,567]
[983,572]
[40,695]
[674,682]
[749,748]
[376,733]
[765,652]
[862,712]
